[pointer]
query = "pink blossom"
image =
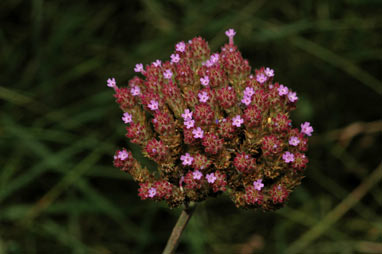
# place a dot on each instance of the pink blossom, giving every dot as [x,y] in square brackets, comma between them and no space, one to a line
[111,82]
[211,178]
[269,72]
[135,91]
[288,157]
[205,80]
[139,68]
[127,118]
[167,74]
[283,90]
[203,97]
[189,123]
[248,91]
[208,63]
[197,175]
[246,100]
[157,63]
[237,121]
[154,105]
[261,78]
[198,132]
[186,159]
[152,192]
[215,58]
[258,184]
[123,155]
[292,96]
[181,46]
[175,58]
[187,115]
[306,128]
[294,141]
[230,34]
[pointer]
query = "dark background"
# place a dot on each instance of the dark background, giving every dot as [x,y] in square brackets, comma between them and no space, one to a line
[59,125]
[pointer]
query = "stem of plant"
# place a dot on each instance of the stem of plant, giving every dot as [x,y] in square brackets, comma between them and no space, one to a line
[177,231]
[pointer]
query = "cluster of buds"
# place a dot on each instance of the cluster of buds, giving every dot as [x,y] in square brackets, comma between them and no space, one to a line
[212,126]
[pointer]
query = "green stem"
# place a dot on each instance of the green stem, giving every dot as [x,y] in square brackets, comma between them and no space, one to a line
[177,231]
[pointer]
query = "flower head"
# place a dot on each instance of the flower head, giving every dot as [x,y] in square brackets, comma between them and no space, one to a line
[189,123]
[152,192]
[288,157]
[246,100]
[175,58]
[258,184]
[230,34]
[203,97]
[127,118]
[198,132]
[186,159]
[123,155]
[111,82]
[306,129]
[157,63]
[269,72]
[205,81]
[237,121]
[261,78]
[181,46]
[187,115]
[294,141]
[211,178]
[154,105]
[135,91]
[292,96]
[139,68]
[167,74]
[197,175]
[283,90]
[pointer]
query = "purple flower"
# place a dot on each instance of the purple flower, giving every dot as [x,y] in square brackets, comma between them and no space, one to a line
[189,123]
[135,91]
[208,63]
[152,192]
[261,78]
[306,128]
[203,97]
[269,72]
[230,33]
[237,121]
[197,175]
[153,105]
[215,58]
[249,91]
[187,115]
[181,46]
[283,90]
[292,96]
[175,58]
[198,132]
[205,80]
[167,74]
[111,82]
[123,155]
[288,157]
[211,178]
[294,141]
[186,159]
[246,100]
[258,184]
[139,68]
[127,118]
[157,63]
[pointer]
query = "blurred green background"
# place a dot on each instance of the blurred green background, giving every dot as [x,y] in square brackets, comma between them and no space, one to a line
[59,125]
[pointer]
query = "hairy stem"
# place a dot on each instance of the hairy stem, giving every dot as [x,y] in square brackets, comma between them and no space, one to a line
[177,231]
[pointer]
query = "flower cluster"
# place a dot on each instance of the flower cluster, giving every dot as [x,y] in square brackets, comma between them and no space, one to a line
[212,126]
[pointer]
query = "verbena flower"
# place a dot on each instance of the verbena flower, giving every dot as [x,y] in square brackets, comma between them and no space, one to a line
[212,126]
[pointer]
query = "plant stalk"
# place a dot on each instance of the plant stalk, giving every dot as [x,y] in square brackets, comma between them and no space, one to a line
[177,231]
